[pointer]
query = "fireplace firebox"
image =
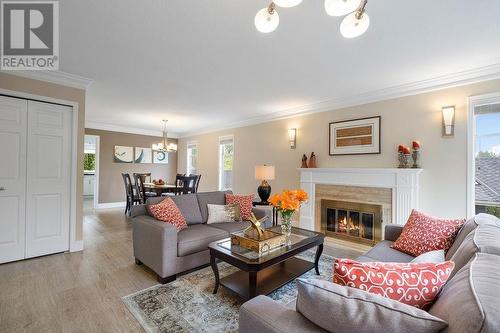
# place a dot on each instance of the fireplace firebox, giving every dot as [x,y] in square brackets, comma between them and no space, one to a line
[357,222]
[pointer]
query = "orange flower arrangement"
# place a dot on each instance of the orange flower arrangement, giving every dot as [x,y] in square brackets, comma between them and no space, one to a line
[288,202]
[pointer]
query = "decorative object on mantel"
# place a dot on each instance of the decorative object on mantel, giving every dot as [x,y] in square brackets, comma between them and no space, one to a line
[355,137]
[415,153]
[404,154]
[264,173]
[312,161]
[287,203]
[304,162]
[354,24]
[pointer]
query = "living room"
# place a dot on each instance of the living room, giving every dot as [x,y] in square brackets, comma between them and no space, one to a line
[238,171]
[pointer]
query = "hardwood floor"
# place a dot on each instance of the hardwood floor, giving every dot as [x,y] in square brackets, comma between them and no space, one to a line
[81,292]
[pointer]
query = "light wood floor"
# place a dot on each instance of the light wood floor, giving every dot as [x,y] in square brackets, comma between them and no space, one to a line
[81,292]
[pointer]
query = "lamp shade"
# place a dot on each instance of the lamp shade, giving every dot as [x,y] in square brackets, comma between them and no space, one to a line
[265,21]
[341,7]
[264,172]
[287,3]
[352,26]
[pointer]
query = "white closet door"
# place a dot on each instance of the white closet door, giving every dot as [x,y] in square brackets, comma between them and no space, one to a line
[48,178]
[13,115]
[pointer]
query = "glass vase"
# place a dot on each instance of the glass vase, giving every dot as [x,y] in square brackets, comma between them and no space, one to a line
[286,226]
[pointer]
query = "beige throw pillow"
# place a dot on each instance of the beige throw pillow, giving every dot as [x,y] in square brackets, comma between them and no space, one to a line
[223,213]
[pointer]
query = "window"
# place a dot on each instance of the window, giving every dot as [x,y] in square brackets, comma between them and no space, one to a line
[192,158]
[486,157]
[226,158]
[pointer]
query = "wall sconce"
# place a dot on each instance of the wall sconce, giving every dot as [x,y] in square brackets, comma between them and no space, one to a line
[448,120]
[292,137]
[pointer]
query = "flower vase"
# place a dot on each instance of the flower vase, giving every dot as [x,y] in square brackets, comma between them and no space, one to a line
[415,156]
[404,160]
[286,227]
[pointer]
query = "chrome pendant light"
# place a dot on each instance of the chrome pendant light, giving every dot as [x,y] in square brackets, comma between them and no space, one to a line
[164,146]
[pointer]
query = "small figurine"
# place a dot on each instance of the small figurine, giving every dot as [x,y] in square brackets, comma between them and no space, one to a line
[304,161]
[312,161]
[255,227]
[415,154]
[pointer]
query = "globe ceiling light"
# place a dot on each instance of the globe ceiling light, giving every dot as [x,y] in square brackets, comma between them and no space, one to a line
[355,24]
[267,19]
[287,3]
[341,7]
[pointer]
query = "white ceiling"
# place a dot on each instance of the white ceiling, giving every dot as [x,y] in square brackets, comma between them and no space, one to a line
[202,64]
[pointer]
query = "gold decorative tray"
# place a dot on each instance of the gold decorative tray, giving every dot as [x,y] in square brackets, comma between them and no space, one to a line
[250,240]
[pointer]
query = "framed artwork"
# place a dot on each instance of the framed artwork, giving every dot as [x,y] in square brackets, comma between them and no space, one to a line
[123,154]
[143,155]
[355,137]
[160,157]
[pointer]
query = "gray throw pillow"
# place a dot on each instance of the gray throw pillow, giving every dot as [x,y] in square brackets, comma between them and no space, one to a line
[436,257]
[338,308]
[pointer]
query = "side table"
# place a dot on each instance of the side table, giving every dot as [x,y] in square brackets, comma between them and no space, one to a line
[275,211]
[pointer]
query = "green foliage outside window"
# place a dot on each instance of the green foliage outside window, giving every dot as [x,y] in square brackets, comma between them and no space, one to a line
[493,211]
[89,162]
[482,154]
[228,157]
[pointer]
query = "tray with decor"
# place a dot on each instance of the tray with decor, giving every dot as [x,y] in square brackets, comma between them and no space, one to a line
[261,243]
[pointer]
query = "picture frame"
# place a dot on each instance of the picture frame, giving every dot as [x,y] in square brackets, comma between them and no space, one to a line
[123,154]
[160,157]
[355,136]
[143,155]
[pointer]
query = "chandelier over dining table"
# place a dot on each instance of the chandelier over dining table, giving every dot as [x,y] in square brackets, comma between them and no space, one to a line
[354,24]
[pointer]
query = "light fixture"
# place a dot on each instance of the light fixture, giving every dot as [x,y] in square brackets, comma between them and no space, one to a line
[264,173]
[341,7]
[355,24]
[292,137]
[267,19]
[164,146]
[287,3]
[448,120]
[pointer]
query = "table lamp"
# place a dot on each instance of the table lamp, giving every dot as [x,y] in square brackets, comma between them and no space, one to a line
[264,173]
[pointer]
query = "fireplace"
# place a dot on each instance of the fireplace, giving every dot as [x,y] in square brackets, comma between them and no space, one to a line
[357,222]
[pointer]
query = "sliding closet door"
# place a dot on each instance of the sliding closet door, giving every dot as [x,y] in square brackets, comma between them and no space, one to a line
[48,178]
[13,115]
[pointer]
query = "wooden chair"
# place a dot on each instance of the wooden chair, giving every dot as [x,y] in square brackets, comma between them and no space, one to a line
[188,185]
[140,189]
[178,185]
[198,178]
[132,198]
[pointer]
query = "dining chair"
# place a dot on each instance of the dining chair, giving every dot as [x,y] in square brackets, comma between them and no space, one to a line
[140,189]
[188,185]
[197,183]
[132,198]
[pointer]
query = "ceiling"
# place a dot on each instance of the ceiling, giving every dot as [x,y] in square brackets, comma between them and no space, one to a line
[203,65]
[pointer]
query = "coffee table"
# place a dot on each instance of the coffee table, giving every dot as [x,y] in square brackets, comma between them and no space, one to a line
[261,275]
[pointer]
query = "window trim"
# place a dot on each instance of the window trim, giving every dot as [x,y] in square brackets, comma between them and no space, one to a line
[189,145]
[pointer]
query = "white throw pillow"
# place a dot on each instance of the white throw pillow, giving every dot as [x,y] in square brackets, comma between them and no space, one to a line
[223,213]
[436,257]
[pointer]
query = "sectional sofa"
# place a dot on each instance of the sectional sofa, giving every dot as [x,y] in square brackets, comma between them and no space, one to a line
[468,303]
[167,252]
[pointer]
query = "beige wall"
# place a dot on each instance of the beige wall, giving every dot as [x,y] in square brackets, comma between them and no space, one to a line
[16,83]
[110,180]
[443,181]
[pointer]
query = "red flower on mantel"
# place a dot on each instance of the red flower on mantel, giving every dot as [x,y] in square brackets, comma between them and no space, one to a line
[415,144]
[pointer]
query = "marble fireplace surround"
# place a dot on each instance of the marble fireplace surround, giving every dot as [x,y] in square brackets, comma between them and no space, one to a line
[397,190]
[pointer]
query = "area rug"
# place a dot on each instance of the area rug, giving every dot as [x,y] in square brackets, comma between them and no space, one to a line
[188,305]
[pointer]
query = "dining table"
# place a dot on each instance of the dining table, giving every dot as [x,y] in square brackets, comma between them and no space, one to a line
[159,189]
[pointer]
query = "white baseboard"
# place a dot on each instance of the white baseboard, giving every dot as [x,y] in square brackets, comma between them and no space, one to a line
[76,246]
[111,205]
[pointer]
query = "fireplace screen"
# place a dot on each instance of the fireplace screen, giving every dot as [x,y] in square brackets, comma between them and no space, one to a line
[355,221]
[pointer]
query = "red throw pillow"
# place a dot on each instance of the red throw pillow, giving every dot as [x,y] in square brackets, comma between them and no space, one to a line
[415,284]
[245,202]
[423,233]
[167,211]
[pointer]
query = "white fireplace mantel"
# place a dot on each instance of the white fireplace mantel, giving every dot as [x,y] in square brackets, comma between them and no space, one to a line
[403,182]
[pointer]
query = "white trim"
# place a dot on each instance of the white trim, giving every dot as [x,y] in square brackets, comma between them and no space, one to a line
[76,246]
[96,171]
[56,77]
[473,102]
[125,129]
[188,145]
[476,75]
[108,205]
[74,154]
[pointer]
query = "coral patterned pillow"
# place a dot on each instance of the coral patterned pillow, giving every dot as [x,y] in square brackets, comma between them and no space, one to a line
[423,233]
[415,284]
[245,202]
[167,211]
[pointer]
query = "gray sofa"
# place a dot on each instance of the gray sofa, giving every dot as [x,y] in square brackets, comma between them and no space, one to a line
[167,252]
[468,303]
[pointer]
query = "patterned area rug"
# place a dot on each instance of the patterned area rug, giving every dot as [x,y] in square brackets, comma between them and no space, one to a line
[188,305]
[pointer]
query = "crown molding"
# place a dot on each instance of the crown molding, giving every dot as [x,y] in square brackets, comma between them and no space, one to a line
[476,75]
[124,129]
[57,77]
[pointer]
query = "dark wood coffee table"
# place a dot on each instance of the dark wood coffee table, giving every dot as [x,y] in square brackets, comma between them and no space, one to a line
[262,275]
